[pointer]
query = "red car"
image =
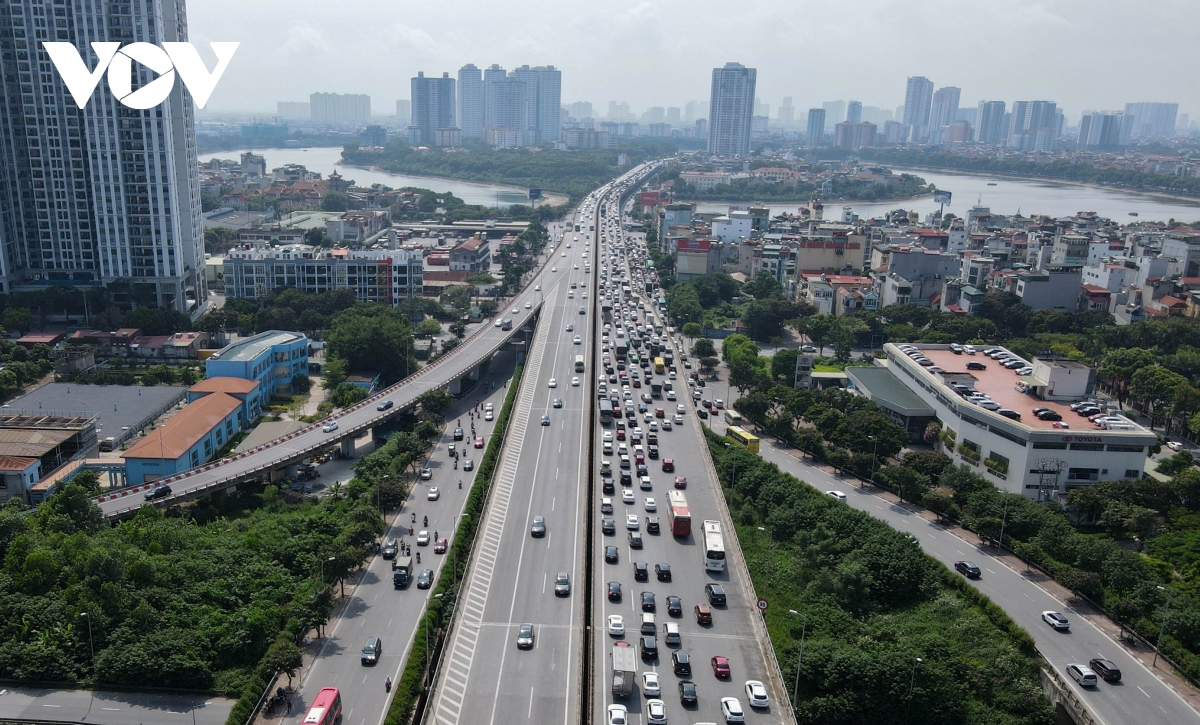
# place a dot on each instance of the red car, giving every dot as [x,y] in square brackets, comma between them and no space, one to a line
[440,546]
[637,383]
[680,481]
[660,413]
[638,459]
[668,467]
[620,434]
[720,667]
[479,441]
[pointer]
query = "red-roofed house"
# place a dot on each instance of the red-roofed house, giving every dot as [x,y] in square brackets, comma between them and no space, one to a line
[190,438]
[18,474]
[41,338]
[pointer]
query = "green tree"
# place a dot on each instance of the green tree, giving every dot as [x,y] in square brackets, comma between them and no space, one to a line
[18,319]
[704,347]
[1118,366]
[429,328]
[692,330]
[283,656]
[817,328]
[335,201]
[1156,386]
[334,373]
[372,337]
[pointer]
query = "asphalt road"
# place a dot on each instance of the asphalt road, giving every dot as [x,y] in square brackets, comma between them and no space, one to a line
[375,608]
[732,633]
[1139,699]
[485,678]
[112,708]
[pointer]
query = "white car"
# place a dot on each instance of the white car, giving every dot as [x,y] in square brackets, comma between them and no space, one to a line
[329,427]
[732,710]
[666,424]
[422,538]
[836,494]
[1175,446]
[651,505]
[516,310]
[570,327]
[656,712]
[528,305]
[627,497]
[607,437]
[489,415]
[500,322]
[678,419]
[434,494]
[650,684]
[616,625]
[632,522]
[618,715]
[574,382]
[756,694]
[578,340]
[1056,620]
[426,474]
[537,288]
[554,269]
[553,382]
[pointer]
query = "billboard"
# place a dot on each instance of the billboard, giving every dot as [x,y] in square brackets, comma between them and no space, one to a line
[804,366]
[535,194]
[941,197]
[650,198]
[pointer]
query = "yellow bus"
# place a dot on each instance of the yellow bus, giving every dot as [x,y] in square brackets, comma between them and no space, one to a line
[742,437]
[660,365]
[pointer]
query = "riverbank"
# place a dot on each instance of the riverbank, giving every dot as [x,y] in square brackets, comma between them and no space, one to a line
[552,198]
[1057,182]
[804,202]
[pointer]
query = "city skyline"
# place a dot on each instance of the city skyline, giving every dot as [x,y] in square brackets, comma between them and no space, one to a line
[637,56]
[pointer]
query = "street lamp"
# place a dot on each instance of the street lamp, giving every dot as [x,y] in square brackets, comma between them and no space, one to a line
[770,553]
[91,642]
[321,568]
[874,454]
[799,659]
[1163,627]
[911,681]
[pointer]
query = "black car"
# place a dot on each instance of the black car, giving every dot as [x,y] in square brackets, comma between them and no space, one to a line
[687,692]
[641,572]
[681,661]
[663,572]
[976,366]
[715,594]
[614,591]
[702,412]
[608,484]
[1106,669]
[626,477]
[610,555]
[609,527]
[642,470]
[674,606]
[648,603]
[425,579]
[389,549]
[649,647]
[968,569]
[545,420]
[537,528]
[1049,415]
[458,434]
[652,525]
[158,492]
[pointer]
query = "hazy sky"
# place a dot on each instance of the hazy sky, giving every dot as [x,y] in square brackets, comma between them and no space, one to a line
[1083,54]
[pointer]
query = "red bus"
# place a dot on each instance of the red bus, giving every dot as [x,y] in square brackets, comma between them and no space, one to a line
[326,708]
[678,515]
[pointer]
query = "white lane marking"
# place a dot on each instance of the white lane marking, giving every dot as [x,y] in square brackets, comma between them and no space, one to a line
[1147,694]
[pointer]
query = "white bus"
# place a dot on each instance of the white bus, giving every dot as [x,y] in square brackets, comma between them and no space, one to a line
[714,547]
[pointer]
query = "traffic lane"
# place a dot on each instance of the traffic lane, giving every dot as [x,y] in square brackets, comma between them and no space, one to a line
[1024,601]
[371,609]
[111,708]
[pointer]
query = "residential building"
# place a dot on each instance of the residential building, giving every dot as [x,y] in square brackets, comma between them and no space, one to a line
[586,138]
[942,112]
[102,193]
[835,111]
[696,257]
[705,180]
[273,358]
[403,112]
[473,255]
[731,108]
[894,132]
[340,108]
[1099,131]
[992,128]
[733,226]
[816,127]
[1034,125]
[853,136]
[918,99]
[470,101]
[1148,120]
[293,109]
[447,137]
[1053,288]
[836,294]
[385,275]
[543,101]
[1070,249]
[854,112]
[433,107]
[505,107]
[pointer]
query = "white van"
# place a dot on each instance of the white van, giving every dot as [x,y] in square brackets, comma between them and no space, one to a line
[648,625]
[671,634]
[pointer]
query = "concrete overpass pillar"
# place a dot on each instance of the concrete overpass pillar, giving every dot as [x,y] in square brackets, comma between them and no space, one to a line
[455,387]
[347,447]
[293,471]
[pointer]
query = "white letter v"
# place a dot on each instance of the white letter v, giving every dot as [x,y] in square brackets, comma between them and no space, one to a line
[80,82]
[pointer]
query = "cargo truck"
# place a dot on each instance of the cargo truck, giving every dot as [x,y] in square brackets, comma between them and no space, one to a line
[401,572]
[656,390]
[625,666]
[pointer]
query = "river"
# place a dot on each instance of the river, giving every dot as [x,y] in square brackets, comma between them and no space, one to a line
[326,160]
[1009,196]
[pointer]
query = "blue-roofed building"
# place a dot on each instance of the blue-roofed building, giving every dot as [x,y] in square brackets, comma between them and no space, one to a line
[272,358]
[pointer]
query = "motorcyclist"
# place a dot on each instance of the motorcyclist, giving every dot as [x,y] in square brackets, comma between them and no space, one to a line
[414,517]
[460,483]
[387,684]
[425,521]
[418,557]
